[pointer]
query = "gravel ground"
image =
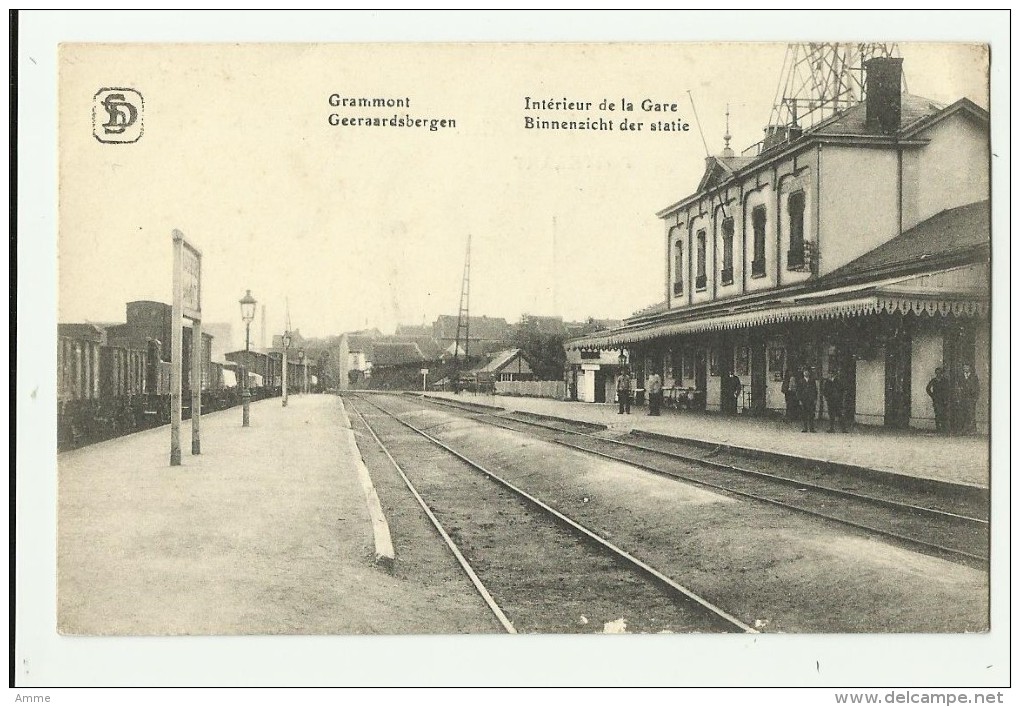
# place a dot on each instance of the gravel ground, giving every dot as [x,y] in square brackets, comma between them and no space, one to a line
[541,574]
[422,559]
[780,571]
[265,533]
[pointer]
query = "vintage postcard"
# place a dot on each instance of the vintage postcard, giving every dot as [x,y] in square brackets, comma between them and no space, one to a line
[562,338]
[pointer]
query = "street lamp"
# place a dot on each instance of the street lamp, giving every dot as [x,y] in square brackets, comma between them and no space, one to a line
[248,315]
[623,357]
[286,345]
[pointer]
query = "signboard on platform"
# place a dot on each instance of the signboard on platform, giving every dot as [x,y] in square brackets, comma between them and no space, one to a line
[187,303]
[192,281]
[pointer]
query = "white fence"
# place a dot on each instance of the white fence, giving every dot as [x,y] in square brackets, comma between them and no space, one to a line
[533,389]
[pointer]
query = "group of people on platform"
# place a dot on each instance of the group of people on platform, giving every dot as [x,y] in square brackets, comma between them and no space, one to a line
[625,389]
[954,401]
[803,397]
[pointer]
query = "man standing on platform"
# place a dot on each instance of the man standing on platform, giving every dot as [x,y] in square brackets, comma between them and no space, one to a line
[623,391]
[654,394]
[807,396]
[938,391]
[967,395]
[834,394]
[790,393]
[733,388]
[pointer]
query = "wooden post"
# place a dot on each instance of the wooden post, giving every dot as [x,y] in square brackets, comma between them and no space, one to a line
[197,351]
[176,346]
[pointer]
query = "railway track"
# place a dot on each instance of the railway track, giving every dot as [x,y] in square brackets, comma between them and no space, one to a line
[952,528]
[537,569]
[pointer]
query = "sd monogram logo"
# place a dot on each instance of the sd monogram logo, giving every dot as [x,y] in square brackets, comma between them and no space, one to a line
[117,115]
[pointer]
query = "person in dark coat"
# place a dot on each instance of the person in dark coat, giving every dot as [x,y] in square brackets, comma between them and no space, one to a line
[967,394]
[623,391]
[939,392]
[807,397]
[790,392]
[834,393]
[733,388]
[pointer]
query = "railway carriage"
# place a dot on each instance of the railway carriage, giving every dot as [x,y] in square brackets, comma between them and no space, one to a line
[78,387]
[122,389]
[115,379]
[112,386]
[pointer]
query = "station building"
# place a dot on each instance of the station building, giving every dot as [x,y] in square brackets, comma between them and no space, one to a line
[591,374]
[861,244]
[504,367]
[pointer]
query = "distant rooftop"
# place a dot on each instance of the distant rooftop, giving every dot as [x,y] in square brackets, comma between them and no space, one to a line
[395,354]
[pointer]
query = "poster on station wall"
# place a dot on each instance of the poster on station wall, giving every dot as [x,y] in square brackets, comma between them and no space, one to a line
[644,197]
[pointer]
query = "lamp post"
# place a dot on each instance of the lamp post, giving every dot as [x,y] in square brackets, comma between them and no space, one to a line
[248,315]
[301,364]
[286,345]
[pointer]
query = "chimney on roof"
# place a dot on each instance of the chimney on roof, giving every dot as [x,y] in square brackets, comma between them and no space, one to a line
[884,78]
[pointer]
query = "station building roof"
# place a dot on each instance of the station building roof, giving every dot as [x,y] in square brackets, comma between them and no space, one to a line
[946,235]
[501,359]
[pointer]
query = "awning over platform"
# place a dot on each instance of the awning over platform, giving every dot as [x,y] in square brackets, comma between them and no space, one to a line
[952,292]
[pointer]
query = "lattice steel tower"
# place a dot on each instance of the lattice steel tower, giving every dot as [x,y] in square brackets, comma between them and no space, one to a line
[819,80]
[463,316]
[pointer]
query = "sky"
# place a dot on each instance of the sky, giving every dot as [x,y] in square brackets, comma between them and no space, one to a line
[355,227]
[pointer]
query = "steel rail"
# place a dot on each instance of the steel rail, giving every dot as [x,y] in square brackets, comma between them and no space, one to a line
[935,512]
[898,505]
[779,479]
[465,565]
[584,531]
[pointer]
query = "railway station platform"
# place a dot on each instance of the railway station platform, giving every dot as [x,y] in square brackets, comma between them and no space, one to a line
[266,532]
[957,460]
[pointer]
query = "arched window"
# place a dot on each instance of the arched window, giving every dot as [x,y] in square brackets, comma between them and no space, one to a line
[795,207]
[758,222]
[678,267]
[727,248]
[701,279]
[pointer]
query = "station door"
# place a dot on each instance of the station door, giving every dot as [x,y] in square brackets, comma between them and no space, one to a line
[897,380]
